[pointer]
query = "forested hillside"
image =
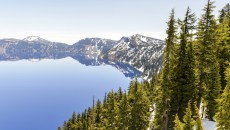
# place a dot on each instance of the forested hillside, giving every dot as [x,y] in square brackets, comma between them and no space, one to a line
[194,82]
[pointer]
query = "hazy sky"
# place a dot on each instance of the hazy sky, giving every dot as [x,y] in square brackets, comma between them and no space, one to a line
[70,20]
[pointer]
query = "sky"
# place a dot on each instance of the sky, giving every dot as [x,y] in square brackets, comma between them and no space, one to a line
[68,21]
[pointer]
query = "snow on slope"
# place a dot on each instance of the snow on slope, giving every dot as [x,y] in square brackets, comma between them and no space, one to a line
[144,53]
[209,125]
[33,38]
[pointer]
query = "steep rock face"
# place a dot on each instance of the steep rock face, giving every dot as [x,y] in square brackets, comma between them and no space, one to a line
[143,53]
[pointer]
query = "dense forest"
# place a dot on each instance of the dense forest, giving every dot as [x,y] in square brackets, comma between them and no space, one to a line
[194,82]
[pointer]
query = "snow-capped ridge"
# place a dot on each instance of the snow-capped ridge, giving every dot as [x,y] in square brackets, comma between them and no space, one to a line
[144,53]
[141,39]
[33,38]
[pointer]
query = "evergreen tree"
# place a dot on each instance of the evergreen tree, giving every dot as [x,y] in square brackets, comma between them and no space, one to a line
[124,113]
[223,51]
[139,103]
[74,118]
[89,118]
[183,81]
[92,116]
[120,94]
[64,125]
[224,12]
[158,121]
[111,110]
[223,114]
[69,125]
[188,120]
[84,127]
[104,115]
[153,87]
[164,90]
[209,78]
[198,121]
[79,122]
[98,111]
[84,120]
[72,123]
[178,124]
[149,90]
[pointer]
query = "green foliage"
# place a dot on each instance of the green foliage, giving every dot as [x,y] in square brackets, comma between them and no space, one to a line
[209,78]
[223,114]
[98,111]
[140,105]
[119,111]
[164,91]
[198,121]
[178,124]
[224,12]
[111,109]
[187,119]
[183,80]
[158,122]
[223,50]
[123,115]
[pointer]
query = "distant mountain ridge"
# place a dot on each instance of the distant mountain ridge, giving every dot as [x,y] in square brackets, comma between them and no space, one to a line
[144,53]
[136,55]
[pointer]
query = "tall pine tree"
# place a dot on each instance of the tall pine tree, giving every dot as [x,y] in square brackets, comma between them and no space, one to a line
[223,115]
[112,111]
[209,78]
[187,119]
[139,104]
[183,80]
[178,124]
[223,51]
[164,89]
[224,12]
[124,113]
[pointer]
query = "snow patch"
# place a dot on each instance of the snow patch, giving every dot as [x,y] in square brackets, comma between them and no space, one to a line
[144,39]
[32,38]
[209,125]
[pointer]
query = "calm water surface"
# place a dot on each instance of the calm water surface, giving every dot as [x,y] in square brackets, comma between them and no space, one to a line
[41,95]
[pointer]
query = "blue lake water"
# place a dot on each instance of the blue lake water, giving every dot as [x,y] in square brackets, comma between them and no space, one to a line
[41,95]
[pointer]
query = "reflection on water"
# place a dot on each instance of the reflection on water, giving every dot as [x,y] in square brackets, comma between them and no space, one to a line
[40,95]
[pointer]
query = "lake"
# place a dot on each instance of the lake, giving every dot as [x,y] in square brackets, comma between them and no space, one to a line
[41,95]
